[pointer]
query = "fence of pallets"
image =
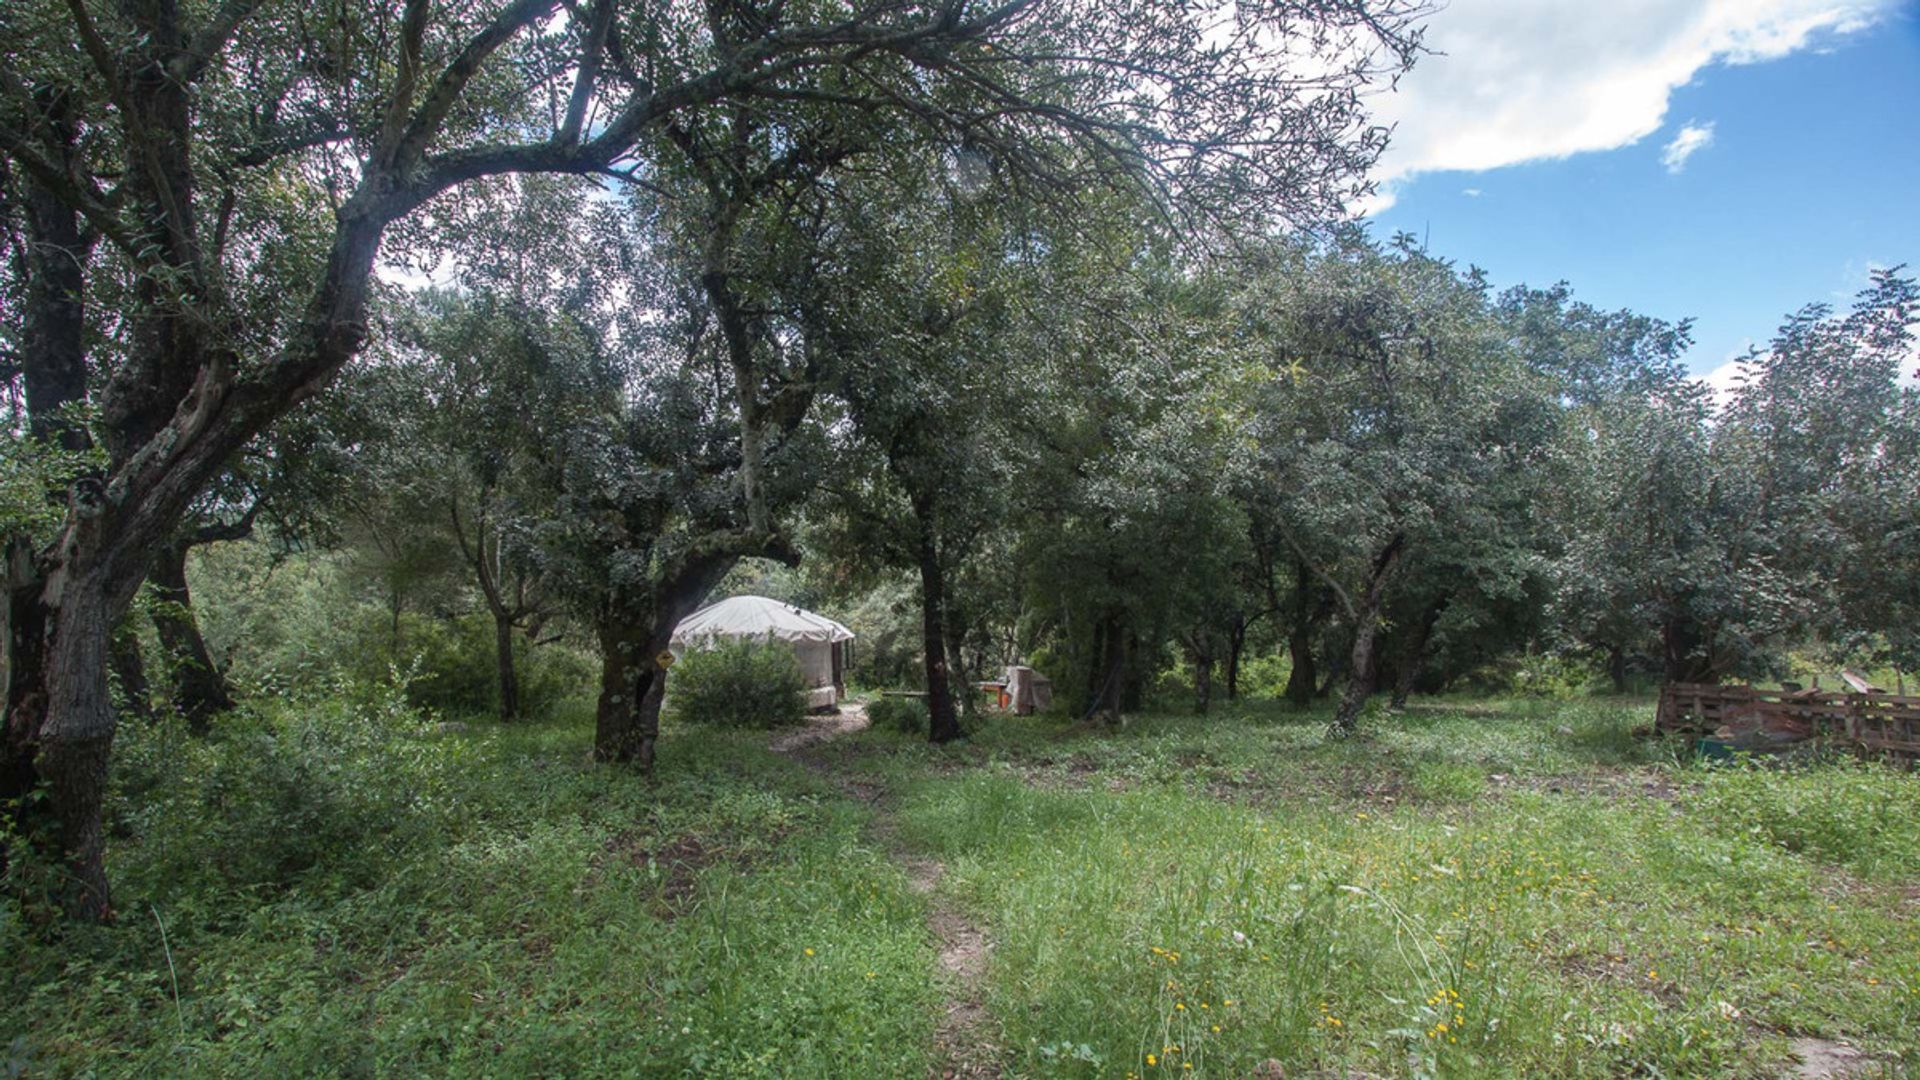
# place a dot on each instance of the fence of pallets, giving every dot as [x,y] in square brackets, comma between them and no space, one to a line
[1875,723]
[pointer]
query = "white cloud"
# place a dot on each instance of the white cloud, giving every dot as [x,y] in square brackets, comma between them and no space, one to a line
[1472,192]
[1692,139]
[1722,380]
[1527,80]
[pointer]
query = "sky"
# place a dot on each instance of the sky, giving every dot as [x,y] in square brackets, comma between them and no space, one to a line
[1728,161]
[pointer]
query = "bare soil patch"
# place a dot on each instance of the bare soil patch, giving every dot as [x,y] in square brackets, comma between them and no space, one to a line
[1823,1059]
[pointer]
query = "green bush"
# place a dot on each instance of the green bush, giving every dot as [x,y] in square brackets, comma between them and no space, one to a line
[903,714]
[738,685]
[279,792]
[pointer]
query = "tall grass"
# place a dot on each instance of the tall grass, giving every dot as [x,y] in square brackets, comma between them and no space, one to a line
[1153,918]
[348,892]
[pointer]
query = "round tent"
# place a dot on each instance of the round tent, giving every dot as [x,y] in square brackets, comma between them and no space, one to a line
[818,642]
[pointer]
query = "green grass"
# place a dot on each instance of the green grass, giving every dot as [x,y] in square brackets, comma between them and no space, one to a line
[347,891]
[477,904]
[1219,892]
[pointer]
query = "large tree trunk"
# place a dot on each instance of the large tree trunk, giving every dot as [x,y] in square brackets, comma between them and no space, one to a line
[1302,679]
[1413,652]
[199,689]
[1689,651]
[53,362]
[1617,668]
[1236,644]
[1362,668]
[632,680]
[616,736]
[76,737]
[944,723]
[503,659]
[130,673]
[632,685]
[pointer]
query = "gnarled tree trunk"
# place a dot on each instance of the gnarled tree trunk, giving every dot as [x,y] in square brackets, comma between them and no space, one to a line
[199,689]
[633,639]
[1362,668]
[1413,652]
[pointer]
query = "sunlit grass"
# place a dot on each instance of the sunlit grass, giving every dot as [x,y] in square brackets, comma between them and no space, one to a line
[1589,915]
[1470,889]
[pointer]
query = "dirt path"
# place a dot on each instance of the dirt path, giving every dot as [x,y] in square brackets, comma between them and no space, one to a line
[962,1048]
[819,729]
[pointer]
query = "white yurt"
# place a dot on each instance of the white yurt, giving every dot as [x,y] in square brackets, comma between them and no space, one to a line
[819,643]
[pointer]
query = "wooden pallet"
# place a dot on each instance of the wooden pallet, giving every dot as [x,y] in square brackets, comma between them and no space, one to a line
[1875,723]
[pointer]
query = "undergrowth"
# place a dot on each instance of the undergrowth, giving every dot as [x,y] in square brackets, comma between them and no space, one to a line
[347,886]
[341,888]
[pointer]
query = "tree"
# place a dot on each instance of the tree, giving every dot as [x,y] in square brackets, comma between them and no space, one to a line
[922,331]
[168,123]
[1387,422]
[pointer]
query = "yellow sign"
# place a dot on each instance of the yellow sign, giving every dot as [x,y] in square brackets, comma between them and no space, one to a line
[665,659]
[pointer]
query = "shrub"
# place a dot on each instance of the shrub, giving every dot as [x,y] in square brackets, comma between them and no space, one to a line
[281,791]
[738,685]
[903,714]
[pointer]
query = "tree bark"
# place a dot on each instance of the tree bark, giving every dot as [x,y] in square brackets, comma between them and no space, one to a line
[130,673]
[1302,679]
[1362,668]
[199,690]
[633,636]
[53,365]
[616,712]
[1236,644]
[76,738]
[1413,654]
[632,687]
[944,723]
[503,658]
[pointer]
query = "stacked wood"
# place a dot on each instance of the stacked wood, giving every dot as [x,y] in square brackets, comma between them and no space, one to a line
[1875,723]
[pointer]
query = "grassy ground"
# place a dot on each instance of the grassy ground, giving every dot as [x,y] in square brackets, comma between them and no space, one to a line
[1488,889]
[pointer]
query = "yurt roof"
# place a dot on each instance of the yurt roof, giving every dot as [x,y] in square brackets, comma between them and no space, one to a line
[759,618]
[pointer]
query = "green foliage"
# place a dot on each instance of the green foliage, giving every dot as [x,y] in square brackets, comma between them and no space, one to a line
[738,684]
[337,888]
[33,475]
[1842,812]
[297,624]
[1264,676]
[1534,674]
[906,715]
[328,786]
